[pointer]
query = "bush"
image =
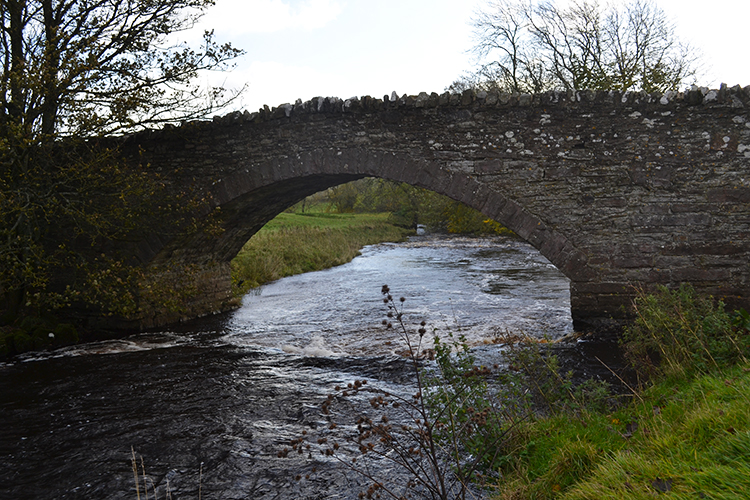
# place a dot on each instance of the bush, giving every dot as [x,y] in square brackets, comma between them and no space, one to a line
[546,387]
[35,333]
[18,342]
[469,422]
[677,333]
[65,334]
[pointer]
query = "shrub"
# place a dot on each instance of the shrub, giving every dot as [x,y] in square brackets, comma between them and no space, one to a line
[65,334]
[35,333]
[677,333]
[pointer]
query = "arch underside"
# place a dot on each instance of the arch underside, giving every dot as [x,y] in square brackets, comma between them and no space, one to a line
[246,207]
[247,203]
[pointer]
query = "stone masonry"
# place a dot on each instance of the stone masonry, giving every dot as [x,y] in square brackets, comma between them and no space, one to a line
[615,189]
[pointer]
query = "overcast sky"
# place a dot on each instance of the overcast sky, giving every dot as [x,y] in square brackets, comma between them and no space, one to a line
[344,48]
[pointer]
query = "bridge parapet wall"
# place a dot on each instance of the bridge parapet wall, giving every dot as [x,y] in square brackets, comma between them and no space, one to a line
[615,189]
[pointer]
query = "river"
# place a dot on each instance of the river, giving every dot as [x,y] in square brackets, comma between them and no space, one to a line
[210,403]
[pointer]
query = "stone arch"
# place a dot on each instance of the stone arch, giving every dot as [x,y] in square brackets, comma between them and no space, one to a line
[248,206]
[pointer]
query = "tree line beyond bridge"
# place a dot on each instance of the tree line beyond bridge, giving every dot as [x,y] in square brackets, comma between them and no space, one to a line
[615,189]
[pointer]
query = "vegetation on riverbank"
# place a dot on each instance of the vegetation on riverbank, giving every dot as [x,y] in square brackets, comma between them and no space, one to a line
[408,206]
[685,430]
[331,227]
[298,243]
[689,436]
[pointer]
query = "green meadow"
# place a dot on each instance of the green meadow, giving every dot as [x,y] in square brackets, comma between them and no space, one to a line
[298,243]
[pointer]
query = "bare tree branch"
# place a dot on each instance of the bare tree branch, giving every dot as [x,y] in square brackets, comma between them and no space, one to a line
[531,47]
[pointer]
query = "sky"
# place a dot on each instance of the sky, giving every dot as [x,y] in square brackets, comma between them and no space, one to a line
[300,49]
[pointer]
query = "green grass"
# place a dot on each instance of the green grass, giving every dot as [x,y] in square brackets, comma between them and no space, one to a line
[298,243]
[693,436]
[685,436]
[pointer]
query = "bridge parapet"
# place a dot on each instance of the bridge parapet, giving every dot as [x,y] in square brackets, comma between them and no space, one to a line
[735,96]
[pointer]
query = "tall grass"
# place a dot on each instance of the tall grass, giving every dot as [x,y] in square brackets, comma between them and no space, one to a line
[685,435]
[298,243]
[678,333]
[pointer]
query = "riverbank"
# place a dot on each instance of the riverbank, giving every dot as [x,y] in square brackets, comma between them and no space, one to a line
[685,431]
[295,243]
[688,437]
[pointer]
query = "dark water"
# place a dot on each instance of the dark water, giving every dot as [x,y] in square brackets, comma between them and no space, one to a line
[208,405]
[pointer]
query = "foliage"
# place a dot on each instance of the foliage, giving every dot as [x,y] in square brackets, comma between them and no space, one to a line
[81,68]
[689,438]
[73,70]
[534,47]
[741,320]
[686,434]
[547,388]
[36,333]
[469,421]
[409,206]
[676,333]
[60,220]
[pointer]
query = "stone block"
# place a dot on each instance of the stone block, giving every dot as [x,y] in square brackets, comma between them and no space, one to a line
[729,195]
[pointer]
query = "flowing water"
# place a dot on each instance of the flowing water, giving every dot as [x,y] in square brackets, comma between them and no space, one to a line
[209,404]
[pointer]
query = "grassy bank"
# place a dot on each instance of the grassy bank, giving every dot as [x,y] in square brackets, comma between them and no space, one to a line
[685,433]
[690,438]
[298,243]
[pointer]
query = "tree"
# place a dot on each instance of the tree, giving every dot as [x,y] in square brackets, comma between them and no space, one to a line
[525,47]
[74,70]
[82,67]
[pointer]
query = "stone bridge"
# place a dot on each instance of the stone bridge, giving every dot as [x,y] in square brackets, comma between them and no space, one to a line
[614,189]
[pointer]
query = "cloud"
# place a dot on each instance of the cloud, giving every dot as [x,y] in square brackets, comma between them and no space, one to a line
[239,17]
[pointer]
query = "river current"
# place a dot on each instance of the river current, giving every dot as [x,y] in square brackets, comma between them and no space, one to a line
[209,404]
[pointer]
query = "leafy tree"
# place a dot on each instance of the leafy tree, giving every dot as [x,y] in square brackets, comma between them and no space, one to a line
[533,47]
[74,70]
[410,205]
